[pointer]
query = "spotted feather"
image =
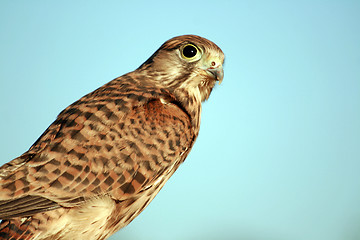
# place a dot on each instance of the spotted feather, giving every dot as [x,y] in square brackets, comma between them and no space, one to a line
[107,155]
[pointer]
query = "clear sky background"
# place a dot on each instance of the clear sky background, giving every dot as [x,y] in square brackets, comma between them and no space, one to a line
[278,156]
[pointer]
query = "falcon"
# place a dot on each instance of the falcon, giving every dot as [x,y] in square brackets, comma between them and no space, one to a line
[107,155]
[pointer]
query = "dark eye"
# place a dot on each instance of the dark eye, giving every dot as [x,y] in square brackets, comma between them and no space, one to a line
[189,51]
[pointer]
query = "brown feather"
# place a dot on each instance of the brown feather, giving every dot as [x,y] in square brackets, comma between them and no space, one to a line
[109,153]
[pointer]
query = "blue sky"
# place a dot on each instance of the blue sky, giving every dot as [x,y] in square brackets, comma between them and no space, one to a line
[278,156]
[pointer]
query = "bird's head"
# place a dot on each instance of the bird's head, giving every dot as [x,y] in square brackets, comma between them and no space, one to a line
[189,63]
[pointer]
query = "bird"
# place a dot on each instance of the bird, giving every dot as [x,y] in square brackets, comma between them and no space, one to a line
[107,155]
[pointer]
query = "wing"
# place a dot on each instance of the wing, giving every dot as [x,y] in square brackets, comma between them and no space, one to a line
[115,141]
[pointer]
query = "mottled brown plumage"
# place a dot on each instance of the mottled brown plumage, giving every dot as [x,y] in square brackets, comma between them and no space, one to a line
[106,156]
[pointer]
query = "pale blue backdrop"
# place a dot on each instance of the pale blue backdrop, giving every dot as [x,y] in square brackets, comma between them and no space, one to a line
[278,156]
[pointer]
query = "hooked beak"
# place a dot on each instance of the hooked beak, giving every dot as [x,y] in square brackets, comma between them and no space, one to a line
[216,73]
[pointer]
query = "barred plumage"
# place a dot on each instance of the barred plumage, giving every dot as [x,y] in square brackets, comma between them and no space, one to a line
[106,156]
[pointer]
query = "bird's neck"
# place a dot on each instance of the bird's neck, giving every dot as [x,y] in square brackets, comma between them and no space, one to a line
[189,98]
[190,101]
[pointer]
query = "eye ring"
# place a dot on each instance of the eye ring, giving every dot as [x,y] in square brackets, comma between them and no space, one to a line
[190,52]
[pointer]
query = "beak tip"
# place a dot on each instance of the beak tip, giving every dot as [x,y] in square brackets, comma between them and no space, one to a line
[217,74]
